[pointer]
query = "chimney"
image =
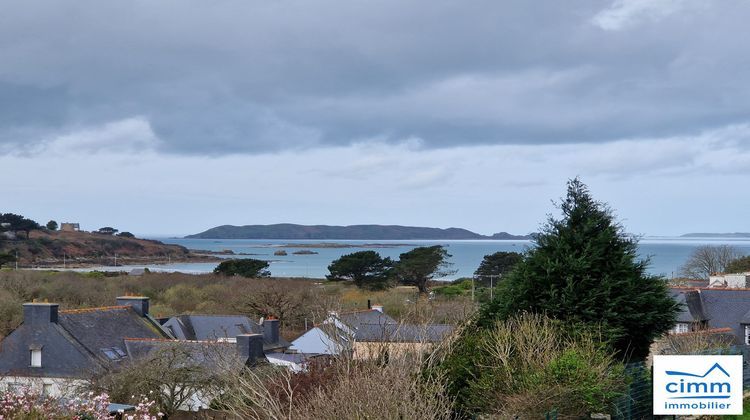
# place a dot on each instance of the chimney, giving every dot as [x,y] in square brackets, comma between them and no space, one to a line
[378,308]
[271,330]
[40,313]
[250,348]
[139,303]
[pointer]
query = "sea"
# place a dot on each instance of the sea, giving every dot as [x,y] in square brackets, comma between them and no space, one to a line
[666,254]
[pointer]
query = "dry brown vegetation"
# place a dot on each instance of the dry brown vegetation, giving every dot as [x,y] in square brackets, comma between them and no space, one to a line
[341,389]
[295,302]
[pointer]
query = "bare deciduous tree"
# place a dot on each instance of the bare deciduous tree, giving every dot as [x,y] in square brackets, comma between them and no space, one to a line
[707,260]
[177,376]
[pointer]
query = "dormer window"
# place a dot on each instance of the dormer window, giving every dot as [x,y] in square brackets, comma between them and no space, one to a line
[36,357]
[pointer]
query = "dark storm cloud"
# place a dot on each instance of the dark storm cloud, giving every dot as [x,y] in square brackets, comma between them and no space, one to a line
[253,76]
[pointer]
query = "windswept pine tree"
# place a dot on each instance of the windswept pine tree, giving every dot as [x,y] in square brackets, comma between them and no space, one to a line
[585,269]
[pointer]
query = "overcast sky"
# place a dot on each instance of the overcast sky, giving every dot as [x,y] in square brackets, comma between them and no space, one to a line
[170,117]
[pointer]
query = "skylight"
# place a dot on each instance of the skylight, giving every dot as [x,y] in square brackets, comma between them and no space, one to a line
[114,353]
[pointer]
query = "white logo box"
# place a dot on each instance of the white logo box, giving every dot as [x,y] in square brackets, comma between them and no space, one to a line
[697,385]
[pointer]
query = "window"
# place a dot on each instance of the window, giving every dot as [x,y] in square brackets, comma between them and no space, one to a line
[680,328]
[46,389]
[113,353]
[36,358]
[747,334]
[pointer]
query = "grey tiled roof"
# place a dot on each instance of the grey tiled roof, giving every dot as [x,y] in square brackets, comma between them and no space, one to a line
[105,328]
[720,308]
[214,327]
[372,325]
[429,333]
[371,316]
[77,344]
[211,327]
[195,352]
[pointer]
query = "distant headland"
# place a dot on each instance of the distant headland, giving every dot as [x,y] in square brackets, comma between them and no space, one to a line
[737,235]
[354,232]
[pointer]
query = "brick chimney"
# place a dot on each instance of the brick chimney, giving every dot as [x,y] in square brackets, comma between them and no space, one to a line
[250,348]
[40,313]
[271,330]
[139,303]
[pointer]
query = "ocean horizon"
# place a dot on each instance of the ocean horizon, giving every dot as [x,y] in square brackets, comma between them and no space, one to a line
[666,254]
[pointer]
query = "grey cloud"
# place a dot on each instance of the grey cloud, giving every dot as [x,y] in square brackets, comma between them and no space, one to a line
[256,76]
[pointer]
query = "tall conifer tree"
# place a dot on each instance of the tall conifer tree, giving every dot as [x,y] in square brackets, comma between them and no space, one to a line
[585,270]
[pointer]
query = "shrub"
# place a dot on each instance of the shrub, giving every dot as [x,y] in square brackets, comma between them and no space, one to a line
[530,365]
[344,389]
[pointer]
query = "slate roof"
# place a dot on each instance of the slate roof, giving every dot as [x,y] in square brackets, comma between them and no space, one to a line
[375,326]
[101,329]
[720,308]
[368,316]
[198,352]
[75,343]
[405,333]
[215,327]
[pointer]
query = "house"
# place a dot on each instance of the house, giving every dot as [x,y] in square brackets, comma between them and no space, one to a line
[70,227]
[137,272]
[226,328]
[718,309]
[367,334]
[732,281]
[54,350]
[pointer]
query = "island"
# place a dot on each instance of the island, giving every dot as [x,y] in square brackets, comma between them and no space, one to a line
[353,232]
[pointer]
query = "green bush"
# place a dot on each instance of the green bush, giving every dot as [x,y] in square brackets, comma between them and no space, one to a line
[530,365]
[449,291]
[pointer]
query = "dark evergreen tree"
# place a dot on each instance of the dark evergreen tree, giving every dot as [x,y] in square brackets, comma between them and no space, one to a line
[16,222]
[52,225]
[367,269]
[496,265]
[739,265]
[585,270]
[420,265]
[246,267]
[6,258]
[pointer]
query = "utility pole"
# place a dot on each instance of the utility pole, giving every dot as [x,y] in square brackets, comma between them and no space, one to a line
[16,260]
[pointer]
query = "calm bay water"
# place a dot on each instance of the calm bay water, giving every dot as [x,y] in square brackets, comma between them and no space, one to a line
[667,254]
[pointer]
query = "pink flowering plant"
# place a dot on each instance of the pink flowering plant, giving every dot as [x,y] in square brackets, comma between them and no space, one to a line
[27,404]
